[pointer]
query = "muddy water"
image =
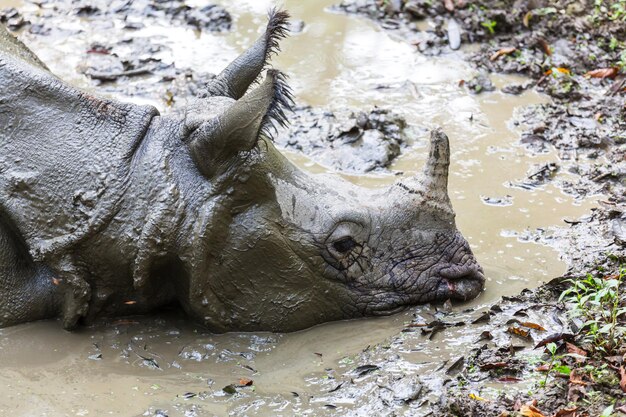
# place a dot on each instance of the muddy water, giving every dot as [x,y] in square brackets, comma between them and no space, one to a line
[137,365]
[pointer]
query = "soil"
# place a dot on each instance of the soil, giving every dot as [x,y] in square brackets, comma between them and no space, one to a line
[574,52]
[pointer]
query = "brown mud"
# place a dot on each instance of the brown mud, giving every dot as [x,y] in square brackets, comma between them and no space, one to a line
[521,165]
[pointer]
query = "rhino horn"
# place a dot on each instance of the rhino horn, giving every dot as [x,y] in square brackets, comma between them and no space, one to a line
[237,77]
[434,179]
[239,127]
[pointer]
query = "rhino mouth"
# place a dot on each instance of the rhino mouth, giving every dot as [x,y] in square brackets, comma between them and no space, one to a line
[461,283]
[456,283]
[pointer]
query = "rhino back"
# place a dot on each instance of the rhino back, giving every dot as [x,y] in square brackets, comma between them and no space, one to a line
[65,156]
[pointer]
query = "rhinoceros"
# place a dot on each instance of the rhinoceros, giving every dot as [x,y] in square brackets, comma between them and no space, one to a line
[110,208]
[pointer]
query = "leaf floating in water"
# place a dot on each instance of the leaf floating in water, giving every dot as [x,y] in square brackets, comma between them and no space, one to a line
[456,366]
[531,325]
[519,332]
[493,365]
[337,387]
[149,362]
[230,389]
[245,382]
[483,318]
[365,369]
[506,379]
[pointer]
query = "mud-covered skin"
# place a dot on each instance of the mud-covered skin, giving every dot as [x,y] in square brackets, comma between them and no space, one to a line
[110,208]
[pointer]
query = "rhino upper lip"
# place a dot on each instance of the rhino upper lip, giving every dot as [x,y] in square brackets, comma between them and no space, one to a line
[455,273]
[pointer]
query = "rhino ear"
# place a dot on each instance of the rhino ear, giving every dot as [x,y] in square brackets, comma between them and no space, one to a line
[215,142]
[235,79]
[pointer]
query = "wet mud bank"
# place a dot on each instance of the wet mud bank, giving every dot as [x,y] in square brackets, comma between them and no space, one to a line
[471,359]
[575,53]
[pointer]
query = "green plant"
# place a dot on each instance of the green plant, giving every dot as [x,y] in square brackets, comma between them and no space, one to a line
[601,306]
[490,25]
[609,9]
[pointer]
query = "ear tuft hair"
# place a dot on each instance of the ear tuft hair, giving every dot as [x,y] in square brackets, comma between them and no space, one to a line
[282,101]
[277,29]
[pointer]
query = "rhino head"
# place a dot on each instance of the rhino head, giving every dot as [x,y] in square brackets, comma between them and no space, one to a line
[271,247]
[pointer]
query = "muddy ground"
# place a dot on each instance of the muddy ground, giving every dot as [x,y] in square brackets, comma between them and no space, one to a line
[575,52]
[556,44]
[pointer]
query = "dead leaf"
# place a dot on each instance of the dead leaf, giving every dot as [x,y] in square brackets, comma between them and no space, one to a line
[544,46]
[519,332]
[509,379]
[602,73]
[622,382]
[56,281]
[571,348]
[554,338]
[245,382]
[493,365]
[543,368]
[575,377]
[502,51]
[531,325]
[130,302]
[526,19]
[477,398]
[529,410]
[566,412]
[449,5]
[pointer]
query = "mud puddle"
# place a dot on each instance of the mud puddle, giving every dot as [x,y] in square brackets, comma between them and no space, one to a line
[143,365]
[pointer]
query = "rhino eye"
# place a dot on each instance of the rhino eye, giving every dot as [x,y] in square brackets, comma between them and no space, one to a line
[344,245]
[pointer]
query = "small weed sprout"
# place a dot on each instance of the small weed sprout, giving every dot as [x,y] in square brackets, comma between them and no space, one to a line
[601,306]
[490,25]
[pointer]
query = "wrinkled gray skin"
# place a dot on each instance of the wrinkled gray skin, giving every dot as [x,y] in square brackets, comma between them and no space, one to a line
[109,208]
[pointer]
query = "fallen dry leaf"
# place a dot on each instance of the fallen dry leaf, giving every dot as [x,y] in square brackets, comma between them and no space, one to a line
[571,348]
[526,19]
[449,5]
[560,69]
[602,73]
[130,302]
[56,281]
[502,51]
[529,410]
[493,365]
[566,412]
[622,382]
[519,332]
[575,377]
[544,46]
[543,368]
[532,326]
[509,379]
[477,398]
[245,382]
